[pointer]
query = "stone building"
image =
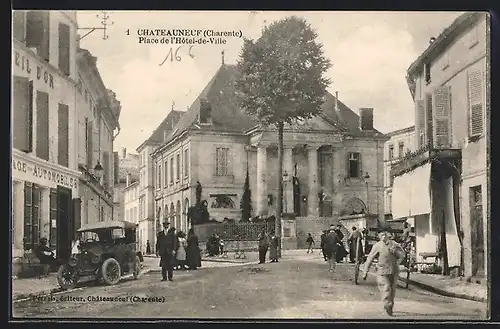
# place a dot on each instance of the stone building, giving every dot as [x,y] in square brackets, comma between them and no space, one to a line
[400,142]
[44,168]
[326,160]
[447,173]
[131,208]
[128,173]
[146,188]
[98,115]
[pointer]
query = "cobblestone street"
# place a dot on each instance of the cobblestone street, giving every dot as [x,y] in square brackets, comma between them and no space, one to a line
[294,288]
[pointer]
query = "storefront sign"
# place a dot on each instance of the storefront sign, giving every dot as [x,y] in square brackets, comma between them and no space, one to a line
[49,175]
[34,70]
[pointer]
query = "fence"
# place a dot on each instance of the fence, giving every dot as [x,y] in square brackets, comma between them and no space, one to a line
[232,231]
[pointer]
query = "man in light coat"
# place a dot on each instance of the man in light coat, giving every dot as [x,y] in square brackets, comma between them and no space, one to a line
[390,255]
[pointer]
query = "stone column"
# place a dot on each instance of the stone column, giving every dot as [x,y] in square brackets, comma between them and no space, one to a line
[312,198]
[288,188]
[261,180]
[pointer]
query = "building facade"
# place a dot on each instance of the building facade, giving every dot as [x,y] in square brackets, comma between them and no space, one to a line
[98,115]
[333,162]
[449,83]
[44,131]
[400,142]
[131,210]
[146,186]
[128,173]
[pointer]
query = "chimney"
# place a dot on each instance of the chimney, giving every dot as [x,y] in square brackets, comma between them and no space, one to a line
[336,101]
[366,118]
[128,179]
[124,152]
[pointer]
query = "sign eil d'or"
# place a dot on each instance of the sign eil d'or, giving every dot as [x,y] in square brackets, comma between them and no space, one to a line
[44,174]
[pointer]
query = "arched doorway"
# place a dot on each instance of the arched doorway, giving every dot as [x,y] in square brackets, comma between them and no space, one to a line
[354,206]
[178,222]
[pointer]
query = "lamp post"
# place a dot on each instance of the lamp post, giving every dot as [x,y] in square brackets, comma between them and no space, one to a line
[367,177]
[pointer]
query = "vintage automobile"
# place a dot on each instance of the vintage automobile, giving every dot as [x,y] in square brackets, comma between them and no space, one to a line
[103,251]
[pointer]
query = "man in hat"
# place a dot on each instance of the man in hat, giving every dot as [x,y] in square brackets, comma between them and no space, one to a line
[331,246]
[46,256]
[164,250]
[390,255]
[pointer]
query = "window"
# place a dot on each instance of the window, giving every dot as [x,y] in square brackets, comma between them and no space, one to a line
[401,149]
[186,163]
[38,31]
[42,125]
[442,117]
[63,135]
[159,177]
[88,142]
[421,122]
[178,167]
[53,218]
[389,202]
[64,48]
[222,201]
[427,69]
[18,25]
[105,165]
[354,165]
[428,115]
[221,161]
[165,169]
[391,152]
[22,134]
[32,215]
[475,89]
[171,170]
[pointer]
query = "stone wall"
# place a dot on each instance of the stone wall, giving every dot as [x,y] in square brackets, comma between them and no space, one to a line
[312,225]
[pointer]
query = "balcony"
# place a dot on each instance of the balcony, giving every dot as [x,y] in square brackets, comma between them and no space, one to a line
[417,158]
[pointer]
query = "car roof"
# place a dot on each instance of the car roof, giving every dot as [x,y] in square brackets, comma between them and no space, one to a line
[113,224]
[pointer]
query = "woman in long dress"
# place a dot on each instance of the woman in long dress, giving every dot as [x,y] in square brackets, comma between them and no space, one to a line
[181,251]
[193,251]
[273,250]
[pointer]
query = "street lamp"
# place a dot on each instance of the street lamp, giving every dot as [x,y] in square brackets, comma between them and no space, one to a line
[367,177]
[285,180]
[98,171]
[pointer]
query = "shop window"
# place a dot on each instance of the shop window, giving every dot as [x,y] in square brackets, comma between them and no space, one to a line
[53,218]
[32,203]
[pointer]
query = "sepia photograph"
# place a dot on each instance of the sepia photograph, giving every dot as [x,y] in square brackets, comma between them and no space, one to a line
[285,165]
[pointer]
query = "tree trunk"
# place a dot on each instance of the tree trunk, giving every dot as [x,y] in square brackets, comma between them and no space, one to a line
[279,202]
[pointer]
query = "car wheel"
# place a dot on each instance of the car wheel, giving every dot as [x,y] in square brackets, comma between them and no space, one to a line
[67,277]
[137,268]
[111,271]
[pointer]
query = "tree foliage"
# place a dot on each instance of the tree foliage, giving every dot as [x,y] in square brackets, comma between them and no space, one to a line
[282,73]
[246,201]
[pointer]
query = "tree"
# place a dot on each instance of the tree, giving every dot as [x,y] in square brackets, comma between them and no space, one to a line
[282,81]
[246,201]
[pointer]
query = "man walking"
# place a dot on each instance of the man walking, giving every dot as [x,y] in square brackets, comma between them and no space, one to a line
[166,242]
[331,246]
[263,246]
[390,255]
[323,235]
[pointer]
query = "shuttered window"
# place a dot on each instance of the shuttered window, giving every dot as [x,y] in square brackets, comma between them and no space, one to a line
[178,167]
[32,201]
[22,132]
[63,135]
[64,48]
[159,177]
[165,169]
[42,125]
[442,117]
[422,123]
[19,25]
[38,31]
[429,136]
[476,120]
[186,163]
[89,137]
[171,170]
[221,161]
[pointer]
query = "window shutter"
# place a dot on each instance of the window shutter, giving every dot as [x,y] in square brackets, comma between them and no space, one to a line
[429,117]
[64,48]
[77,218]
[476,122]
[19,21]
[45,46]
[63,135]
[28,215]
[53,217]
[22,116]
[347,162]
[442,117]
[90,138]
[42,125]
[422,124]
[34,28]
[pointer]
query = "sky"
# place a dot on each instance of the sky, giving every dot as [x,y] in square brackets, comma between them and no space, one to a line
[370,53]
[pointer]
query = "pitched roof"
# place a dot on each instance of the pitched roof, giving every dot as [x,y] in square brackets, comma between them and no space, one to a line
[167,124]
[228,117]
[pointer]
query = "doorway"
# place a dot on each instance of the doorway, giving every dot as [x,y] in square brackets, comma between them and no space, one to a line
[477,230]
[64,223]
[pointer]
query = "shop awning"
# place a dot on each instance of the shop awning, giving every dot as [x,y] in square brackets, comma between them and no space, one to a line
[411,193]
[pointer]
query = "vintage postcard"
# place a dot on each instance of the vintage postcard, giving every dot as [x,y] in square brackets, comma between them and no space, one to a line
[250,165]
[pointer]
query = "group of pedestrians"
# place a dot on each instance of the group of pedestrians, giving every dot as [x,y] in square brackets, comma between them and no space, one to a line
[354,242]
[176,250]
[268,242]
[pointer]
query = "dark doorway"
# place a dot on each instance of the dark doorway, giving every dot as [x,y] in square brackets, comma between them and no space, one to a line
[296,196]
[64,223]
[477,233]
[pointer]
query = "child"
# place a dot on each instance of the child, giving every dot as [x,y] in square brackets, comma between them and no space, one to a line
[310,243]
